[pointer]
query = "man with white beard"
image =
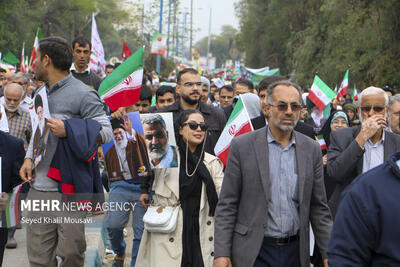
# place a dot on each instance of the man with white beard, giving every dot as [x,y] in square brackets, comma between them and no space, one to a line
[356,150]
[19,120]
[162,155]
[127,163]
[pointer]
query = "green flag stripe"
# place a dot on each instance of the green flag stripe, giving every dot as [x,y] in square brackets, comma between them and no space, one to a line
[324,88]
[236,110]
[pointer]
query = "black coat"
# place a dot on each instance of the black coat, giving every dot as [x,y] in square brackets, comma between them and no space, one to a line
[12,155]
[214,117]
[300,127]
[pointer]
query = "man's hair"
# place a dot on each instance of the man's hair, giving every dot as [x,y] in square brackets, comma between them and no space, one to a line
[109,66]
[154,119]
[227,88]
[387,88]
[245,82]
[162,90]
[23,75]
[3,70]
[145,93]
[186,70]
[81,41]
[38,101]
[374,91]
[22,88]
[392,99]
[271,87]
[58,50]
[267,81]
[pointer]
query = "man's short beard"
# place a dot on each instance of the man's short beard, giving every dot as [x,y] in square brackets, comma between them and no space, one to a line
[11,109]
[157,155]
[189,100]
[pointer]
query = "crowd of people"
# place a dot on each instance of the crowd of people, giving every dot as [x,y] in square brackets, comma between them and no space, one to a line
[278,185]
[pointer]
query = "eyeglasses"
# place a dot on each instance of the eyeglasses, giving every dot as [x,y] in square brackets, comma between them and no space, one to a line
[284,106]
[192,84]
[20,83]
[157,135]
[375,108]
[193,125]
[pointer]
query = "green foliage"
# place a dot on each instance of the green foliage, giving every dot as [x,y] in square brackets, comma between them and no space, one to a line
[324,37]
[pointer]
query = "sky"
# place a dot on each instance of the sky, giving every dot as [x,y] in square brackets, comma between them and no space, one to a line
[223,13]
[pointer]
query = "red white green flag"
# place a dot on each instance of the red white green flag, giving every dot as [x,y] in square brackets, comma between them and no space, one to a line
[320,93]
[321,142]
[22,63]
[35,48]
[239,123]
[122,87]
[355,94]
[343,86]
[11,218]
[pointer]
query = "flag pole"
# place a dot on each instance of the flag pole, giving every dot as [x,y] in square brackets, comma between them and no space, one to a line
[158,67]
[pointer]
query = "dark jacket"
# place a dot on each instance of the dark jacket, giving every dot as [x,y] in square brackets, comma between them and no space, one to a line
[75,163]
[88,78]
[366,229]
[214,117]
[12,156]
[301,127]
[228,111]
[345,159]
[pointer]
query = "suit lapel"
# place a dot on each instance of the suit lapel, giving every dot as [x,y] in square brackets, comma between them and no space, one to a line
[360,163]
[389,147]
[261,148]
[301,161]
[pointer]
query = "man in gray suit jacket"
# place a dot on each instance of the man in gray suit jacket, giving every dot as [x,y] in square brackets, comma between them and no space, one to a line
[273,188]
[355,150]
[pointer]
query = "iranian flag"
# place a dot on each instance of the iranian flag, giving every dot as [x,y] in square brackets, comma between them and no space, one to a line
[239,123]
[321,142]
[11,217]
[122,87]
[22,63]
[35,49]
[320,93]
[355,94]
[343,86]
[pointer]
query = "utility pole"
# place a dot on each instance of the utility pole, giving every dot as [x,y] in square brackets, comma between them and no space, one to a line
[174,31]
[158,67]
[169,22]
[184,34]
[191,30]
[209,39]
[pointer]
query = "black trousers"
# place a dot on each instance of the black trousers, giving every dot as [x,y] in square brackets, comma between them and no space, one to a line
[273,255]
[3,242]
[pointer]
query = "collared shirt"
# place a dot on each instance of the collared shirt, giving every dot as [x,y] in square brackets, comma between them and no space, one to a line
[20,126]
[168,161]
[283,215]
[374,154]
[73,68]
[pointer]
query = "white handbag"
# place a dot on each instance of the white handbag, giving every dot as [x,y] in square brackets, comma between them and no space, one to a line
[161,219]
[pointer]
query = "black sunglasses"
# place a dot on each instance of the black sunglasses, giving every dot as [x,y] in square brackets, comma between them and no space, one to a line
[193,125]
[284,106]
[157,135]
[375,108]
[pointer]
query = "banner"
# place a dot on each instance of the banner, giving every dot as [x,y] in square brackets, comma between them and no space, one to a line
[97,60]
[159,44]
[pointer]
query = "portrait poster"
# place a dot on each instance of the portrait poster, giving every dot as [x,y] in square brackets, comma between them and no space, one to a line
[39,115]
[136,125]
[158,131]
[3,120]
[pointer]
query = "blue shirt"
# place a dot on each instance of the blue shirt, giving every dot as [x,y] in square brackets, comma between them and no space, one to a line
[283,216]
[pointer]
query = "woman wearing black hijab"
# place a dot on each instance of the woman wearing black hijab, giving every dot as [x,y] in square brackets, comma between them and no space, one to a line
[196,184]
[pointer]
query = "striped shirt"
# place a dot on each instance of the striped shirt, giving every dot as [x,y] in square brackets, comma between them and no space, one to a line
[19,124]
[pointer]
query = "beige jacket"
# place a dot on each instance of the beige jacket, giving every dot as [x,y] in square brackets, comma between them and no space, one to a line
[162,250]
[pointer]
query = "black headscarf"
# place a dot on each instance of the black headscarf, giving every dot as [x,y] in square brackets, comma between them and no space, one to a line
[326,129]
